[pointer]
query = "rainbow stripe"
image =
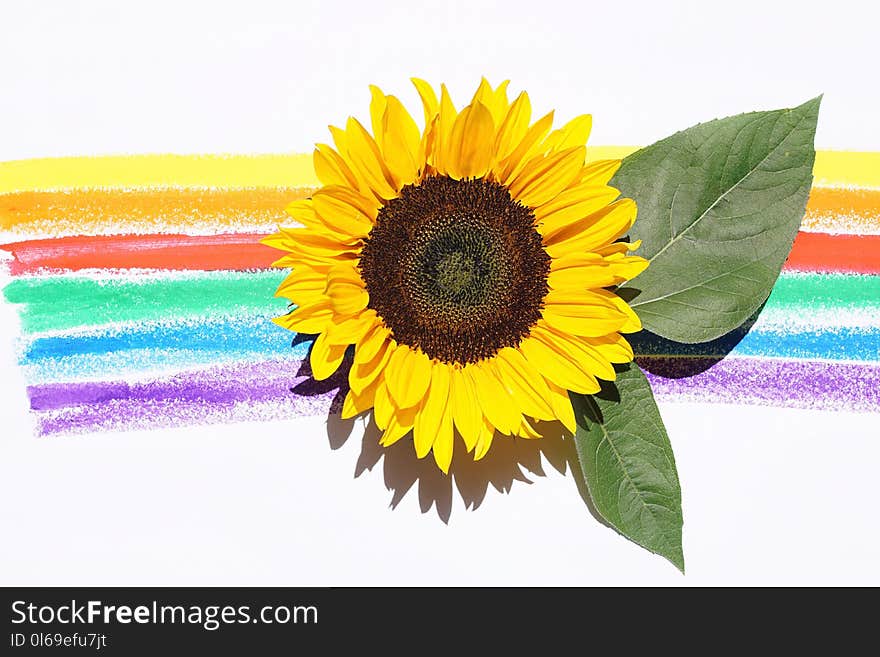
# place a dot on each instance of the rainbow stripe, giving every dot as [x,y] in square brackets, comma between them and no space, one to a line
[145,297]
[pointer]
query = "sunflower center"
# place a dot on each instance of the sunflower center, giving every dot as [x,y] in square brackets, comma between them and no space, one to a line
[456,268]
[454,264]
[458,273]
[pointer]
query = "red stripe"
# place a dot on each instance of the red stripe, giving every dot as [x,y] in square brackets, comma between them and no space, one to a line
[858,254]
[812,252]
[206,252]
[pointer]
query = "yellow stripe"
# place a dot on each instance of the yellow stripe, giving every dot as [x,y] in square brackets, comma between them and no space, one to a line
[846,169]
[609,152]
[832,169]
[128,171]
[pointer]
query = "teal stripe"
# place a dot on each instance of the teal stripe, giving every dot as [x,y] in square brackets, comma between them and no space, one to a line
[64,302]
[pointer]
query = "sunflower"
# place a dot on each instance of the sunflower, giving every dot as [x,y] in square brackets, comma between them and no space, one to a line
[469,264]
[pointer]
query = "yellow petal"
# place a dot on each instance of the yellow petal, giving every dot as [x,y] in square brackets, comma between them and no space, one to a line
[400,144]
[428,147]
[523,151]
[351,330]
[361,375]
[590,304]
[495,100]
[618,248]
[465,408]
[470,149]
[524,383]
[572,302]
[599,172]
[571,205]
[483,92]
[557,367]
[562,406]
[513,127]
[527,431]
[321,244]
[614,348]
[356,403]
[587,313]
[443,442]
[594,231]
[341,141]
[317,262]
[377,109]
[591,270]
[429,99]
[303,286]
[331,169]
[367,159]
[487,433]
[569,267]
[577,349]
[346,290]
[307,241]
[311,318]
[350,407]
[383,407]
[431,414]
[574,133]
[344,273]
[399,424]
[495,401]
[282,239]
[408,376]
[575,261]
[625,268]
[276,241]
[335,206]
[499,103]
[325,358]
[633,322]
[443,132]
[371,344]
[543,178]
[347,200]
[303,212]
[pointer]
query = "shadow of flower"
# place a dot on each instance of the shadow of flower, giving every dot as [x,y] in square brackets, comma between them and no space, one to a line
[509,460]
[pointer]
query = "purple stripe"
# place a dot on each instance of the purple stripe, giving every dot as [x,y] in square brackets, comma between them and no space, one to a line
[133,415]
[244,391]
[808,384]
[280,389]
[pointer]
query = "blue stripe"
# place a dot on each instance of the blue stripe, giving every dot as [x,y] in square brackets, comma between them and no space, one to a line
[257,337]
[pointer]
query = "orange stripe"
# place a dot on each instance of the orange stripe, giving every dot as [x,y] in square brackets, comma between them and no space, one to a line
[864,202]
[843,210]
[146,211]
[98,211]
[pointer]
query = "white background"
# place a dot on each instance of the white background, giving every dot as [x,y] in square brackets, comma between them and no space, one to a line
[771,496]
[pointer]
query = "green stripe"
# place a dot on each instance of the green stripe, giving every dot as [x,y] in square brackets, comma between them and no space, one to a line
[820,292]
[69,301]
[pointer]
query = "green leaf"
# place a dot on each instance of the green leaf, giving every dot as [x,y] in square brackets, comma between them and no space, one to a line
[628,464]
[719,207]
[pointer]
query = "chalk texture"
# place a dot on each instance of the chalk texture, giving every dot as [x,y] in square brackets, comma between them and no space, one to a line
[145,299]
